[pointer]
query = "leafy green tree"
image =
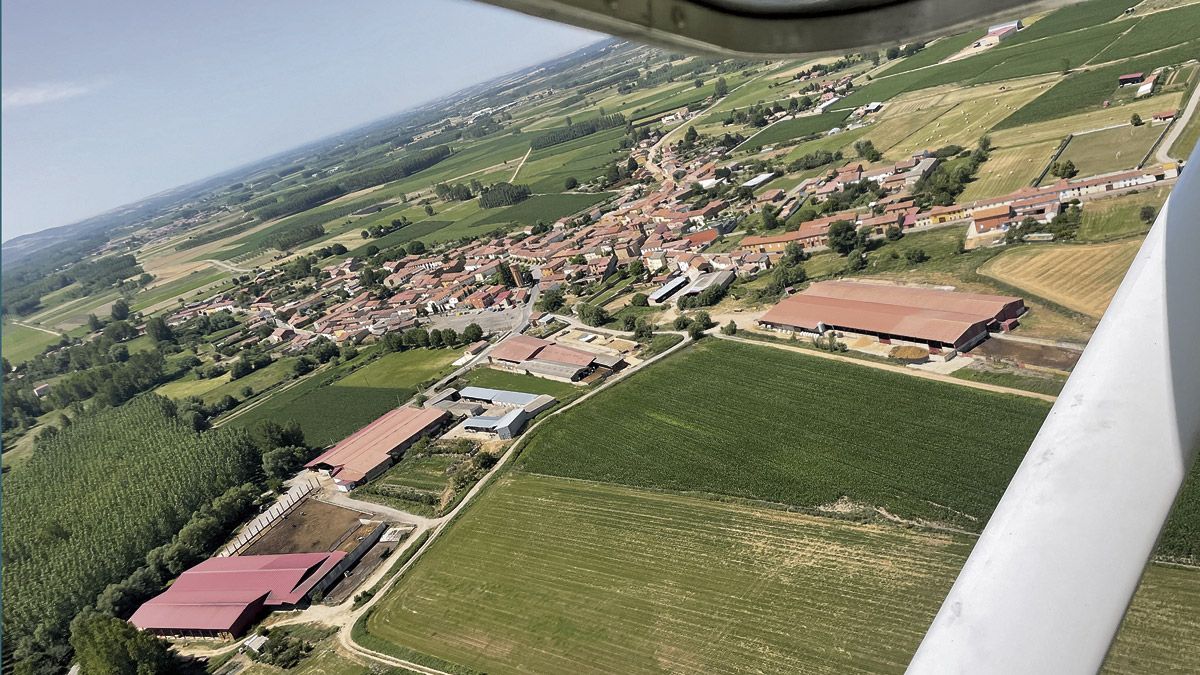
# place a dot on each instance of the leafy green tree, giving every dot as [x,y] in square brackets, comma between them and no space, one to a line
[640,300]
[637,269]
[551,300]
[472,333]
[120,310]
[894,233]
[1147,214]
[159,331]
[415,247]
[106,645]
[570,183]
[729,328]
[721,89]
[1135,120]
[916,255]
[591,315]
[843,237]
[770,218]
[94,323]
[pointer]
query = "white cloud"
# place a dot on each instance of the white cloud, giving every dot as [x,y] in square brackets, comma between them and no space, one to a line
[46,92]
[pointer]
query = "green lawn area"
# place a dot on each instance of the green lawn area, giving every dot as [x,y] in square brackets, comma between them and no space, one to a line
[792,429]
[1183,146]
[1110,150]
[530,384]
[421,473]
[551,575]
[1107,219]
[1050,384]
[189,385]
[21,343]
[401,369]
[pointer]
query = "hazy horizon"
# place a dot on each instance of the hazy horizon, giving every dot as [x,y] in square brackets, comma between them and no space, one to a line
[183,99]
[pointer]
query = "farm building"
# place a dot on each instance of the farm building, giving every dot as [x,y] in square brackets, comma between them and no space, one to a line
[508,411]
[221,597]
[543,358]
[940,319]
[662,293]
[371,449]
[1130,78]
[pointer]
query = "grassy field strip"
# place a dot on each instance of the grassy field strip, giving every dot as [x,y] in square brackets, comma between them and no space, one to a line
[554,575]
[1117,217]
[1111,149]
[1083,278]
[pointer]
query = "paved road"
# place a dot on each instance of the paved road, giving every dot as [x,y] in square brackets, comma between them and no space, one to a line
[1184,117]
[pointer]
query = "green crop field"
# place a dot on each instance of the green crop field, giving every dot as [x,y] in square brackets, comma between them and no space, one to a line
[546,208]
[1072,17]
[583,159]
[792,129]
[1087,90]
[552,575]
[766,424]
[177,288]
[1105,219]
[1110,150]
[21,343]
[329,409]
[942,49]
[1162,29]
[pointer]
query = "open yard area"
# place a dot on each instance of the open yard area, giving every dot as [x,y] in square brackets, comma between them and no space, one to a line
[1079,277]
[1116,217]
[1110,150]
[765,424]
[1008,169]
[552,575]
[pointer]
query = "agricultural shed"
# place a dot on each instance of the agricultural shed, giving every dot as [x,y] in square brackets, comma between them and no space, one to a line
[535,356]
[941,319]
[222,596]
[368,451]
[505,426]
[663,292]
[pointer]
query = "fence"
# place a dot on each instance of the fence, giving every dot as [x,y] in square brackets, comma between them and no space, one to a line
[280,508]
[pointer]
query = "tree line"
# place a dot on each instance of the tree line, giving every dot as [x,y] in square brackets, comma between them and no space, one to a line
[577,130]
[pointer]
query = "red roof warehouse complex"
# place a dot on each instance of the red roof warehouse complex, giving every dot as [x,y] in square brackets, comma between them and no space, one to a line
[371,449]
[222,596]
[941,319]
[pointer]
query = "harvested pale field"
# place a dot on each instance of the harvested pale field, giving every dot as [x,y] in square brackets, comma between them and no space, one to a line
[964,122]
[551,575]
[1009,169]
[1083,278]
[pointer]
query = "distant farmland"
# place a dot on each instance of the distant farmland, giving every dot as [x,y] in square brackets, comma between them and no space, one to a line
[760,423]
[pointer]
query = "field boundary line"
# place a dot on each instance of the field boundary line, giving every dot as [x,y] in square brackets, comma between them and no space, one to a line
[984,386]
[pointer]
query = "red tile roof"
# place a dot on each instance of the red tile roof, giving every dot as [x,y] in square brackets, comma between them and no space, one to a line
[216,594]
[363,451]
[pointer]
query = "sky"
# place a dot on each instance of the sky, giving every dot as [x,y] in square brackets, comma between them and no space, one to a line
[108,102]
